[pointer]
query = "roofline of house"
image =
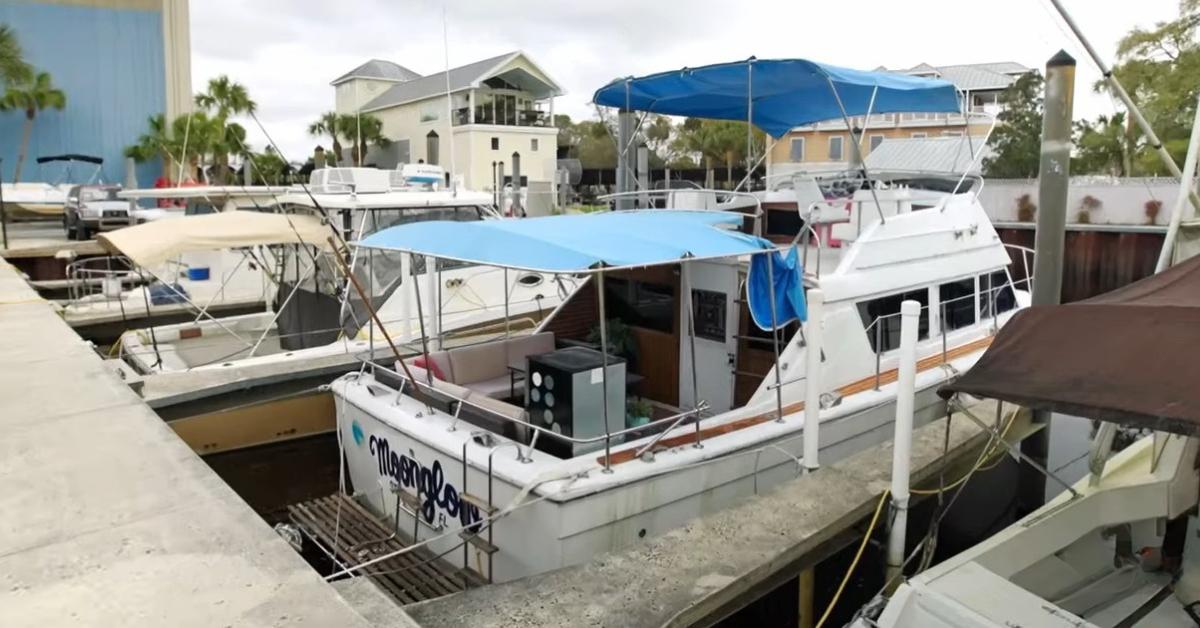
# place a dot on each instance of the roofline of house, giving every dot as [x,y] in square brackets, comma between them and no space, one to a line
[556,90]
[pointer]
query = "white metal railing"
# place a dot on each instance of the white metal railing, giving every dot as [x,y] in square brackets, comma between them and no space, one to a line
[646,195]
[103,276]
[459,402]
[991,294]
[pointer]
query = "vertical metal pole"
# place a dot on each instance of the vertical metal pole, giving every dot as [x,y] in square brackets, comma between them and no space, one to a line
[625,126]
[910,316]
[506,295]
[942,322]
[1186,179]
[1053,180]
[517,208]
[878,350]
[421,322]
[770,253]
[686,288]
[371,295]
[604,371]
[643,174]
[812,379]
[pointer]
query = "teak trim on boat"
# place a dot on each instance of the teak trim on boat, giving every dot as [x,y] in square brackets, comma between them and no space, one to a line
[862,385]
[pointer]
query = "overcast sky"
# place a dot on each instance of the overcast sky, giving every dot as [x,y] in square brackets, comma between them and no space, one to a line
[287,51]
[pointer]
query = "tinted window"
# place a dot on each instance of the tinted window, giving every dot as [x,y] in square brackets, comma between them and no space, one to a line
[995,285]
[640,303]
[887,330]
[958,303]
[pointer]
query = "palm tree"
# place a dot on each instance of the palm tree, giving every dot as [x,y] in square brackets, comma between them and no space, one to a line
[363,130]
[223,99]
[31,96]
[157,141]
[13,67]
[328,124]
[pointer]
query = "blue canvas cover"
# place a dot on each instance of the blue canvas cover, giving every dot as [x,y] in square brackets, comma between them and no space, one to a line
[786,93]
[789,290]
[576,243]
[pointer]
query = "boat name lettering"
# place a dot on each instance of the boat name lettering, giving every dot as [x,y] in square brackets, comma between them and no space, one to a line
[430,483]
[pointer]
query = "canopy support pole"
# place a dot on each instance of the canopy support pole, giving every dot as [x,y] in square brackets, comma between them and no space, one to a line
[220,290]
[813,348]
[185,298]
[145,288]
[278,313]
[858,153]
[421,322]
[749,120]
[416,390]
[604,371]
[774,335]
[685,280]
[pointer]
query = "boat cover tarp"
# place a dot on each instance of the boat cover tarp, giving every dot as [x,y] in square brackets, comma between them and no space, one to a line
[786,93]
[789,293]
[1128,356]
[577,243]
[153,243]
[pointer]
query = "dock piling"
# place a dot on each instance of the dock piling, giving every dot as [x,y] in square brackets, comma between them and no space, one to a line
[910,316]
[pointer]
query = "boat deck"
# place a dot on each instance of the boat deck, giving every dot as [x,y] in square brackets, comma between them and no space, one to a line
[109,518]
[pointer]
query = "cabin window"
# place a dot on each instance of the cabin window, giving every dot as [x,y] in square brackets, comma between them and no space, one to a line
[835,147]
[957,303]
[886,310]
[796,150]
[641,303]
[995,285]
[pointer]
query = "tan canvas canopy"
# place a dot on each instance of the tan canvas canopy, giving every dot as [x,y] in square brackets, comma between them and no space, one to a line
[155,242]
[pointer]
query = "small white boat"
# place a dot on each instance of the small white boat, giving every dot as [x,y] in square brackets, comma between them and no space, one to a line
[42,200]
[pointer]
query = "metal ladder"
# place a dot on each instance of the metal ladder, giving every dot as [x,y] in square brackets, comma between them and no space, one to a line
[485,506]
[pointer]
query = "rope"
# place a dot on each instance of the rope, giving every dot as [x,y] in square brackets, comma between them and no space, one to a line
[980,465]
[857,555]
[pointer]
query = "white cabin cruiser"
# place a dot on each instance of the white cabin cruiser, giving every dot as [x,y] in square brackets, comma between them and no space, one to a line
[313,322]
[43,200]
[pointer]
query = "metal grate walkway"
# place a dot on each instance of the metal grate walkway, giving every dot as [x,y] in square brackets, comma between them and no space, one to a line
[412,577]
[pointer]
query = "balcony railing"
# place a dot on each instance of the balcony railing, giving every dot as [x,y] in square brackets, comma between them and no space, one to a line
[484,114]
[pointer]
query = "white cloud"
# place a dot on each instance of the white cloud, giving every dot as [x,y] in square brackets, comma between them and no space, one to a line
[287,51]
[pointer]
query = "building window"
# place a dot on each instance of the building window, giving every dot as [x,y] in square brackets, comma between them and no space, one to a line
[431,148]
[875,141]
[919,136]
[533,143]
[495,143]
[796,149]
[952,133]
[957,300]
[835,147]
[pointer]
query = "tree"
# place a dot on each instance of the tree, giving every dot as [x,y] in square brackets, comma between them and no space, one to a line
[222,99]
[328,125]
[718,141]
[13,67]
[155,142]
[1016,143]
[1102,147]
[362,130]
[268,168]
[1158,67]
[31,95]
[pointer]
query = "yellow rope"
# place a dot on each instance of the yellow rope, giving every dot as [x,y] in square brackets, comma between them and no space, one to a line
[857,555]
[979,465]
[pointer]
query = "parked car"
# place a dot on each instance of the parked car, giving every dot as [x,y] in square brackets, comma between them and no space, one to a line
[92,208]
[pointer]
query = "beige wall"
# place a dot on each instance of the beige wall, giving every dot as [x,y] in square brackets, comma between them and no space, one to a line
[177,56]
[816,141]
[352,94]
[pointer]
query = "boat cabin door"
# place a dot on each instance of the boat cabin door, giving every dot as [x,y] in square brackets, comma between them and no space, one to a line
[713,290]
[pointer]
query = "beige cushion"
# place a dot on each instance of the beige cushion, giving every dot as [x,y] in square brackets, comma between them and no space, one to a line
[498,387]
[489,361]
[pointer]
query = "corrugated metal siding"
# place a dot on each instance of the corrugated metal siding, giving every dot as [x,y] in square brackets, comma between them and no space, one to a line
[110,64]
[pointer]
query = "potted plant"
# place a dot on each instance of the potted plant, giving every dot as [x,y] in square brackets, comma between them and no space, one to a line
[1025,208]
[638,412]
[621,341]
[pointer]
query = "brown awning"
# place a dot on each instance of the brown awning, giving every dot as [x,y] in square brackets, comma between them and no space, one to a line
[1131,356]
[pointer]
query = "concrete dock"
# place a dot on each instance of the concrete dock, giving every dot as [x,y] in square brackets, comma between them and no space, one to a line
[110,520]
[715,565]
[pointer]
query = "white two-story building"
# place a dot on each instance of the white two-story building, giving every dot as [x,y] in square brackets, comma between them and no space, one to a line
[498,108]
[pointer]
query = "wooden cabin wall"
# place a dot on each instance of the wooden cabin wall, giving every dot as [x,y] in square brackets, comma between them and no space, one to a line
[657,352]
[1094,262]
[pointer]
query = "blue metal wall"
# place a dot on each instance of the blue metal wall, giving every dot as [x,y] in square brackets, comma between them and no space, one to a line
[110,64]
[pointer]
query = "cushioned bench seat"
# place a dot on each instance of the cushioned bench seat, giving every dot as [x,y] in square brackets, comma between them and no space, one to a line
[483,368]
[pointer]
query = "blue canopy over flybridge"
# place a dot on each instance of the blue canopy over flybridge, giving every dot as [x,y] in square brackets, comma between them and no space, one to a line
[778,94]
[577,242]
